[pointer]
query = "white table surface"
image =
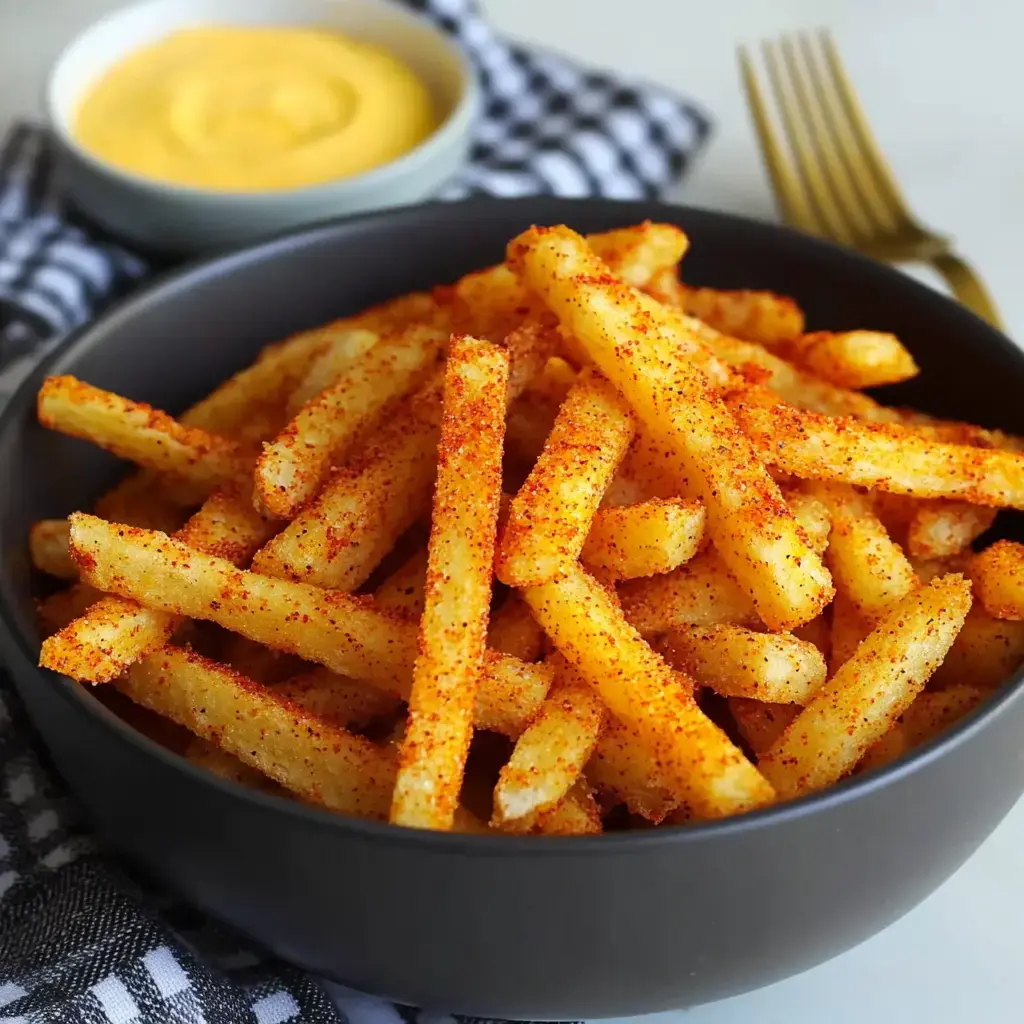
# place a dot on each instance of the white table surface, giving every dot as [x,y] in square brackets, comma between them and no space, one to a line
[943,82]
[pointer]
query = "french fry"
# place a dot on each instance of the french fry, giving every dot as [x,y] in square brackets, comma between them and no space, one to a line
[453,626]
[865,562]
[987,652]
[849,628]
[139,433]
[531,348]
[337,358]
[293,467]
[931,713]
[639,253]
[940,528]
[513,630]
[876,455]
[551,514]
[256,662]
[137,500]
[577,814]
[761,723]
[748,522]
[115,632]
[700,593]
[511,693]
[346,702]
[646,539]
[620,766]
[699,762]
[763,317]
[812,514]
[870,691]
[852,359]
[64,606]
[320,762]
[339,538]
[403,590]
[998,577]
[210,757]
[818,632]
[551,753]
[737,662]
[48,548]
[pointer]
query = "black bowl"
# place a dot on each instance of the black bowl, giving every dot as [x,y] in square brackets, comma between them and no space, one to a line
[504,926]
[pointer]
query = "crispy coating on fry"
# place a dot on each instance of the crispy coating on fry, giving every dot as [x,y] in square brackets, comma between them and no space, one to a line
[939,528]
[339,538]
[403,590]
[987,652]
[48,548]
[64,606]
[700,592]
[321,762]
[748,522]
[346,702]
[870,691]
[450,662]
[551,515]
[550,755]
[737,662]
[293,467]
[139,433]
[698,760]
[337,358]
[761,723]
[207,755]
[646,539]
[812,514]
[998,577]
[577,814]
[117,631]
[513,630]
[884,456]
[852,359]
[759,316]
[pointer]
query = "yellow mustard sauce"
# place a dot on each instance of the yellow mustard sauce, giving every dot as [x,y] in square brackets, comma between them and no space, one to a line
[240,108]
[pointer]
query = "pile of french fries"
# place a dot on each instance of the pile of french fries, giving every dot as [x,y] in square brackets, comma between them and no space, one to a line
[726,575]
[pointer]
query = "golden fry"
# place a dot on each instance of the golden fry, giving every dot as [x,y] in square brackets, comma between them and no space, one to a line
[551,515]
[761,723]
[513,630]
[350,703]
[852,359]
[337,358]
[748,522]
[987,652]
[139,433]
[738,662]
[884,456]
[870,691]
[646,539]
[577,814]
[48,548]
[704,769]
[763,317]
[998,577]
[293,467]
[937,529]
[403,590]
[206,755]
[812,514]
[453,626]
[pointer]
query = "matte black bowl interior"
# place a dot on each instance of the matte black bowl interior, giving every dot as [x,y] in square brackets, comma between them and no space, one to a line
[500,926]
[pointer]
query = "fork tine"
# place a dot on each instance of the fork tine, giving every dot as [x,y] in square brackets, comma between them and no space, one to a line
[795,209]
[848,202]
[861,149]
[799,140]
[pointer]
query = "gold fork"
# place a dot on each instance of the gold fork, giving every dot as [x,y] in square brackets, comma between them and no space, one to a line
[842,188]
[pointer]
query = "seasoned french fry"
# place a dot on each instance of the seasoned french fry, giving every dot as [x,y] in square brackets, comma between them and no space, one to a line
[403,590]
[884,456]
[293,467]
[940,528]
[511,693]
[812,514]
[322,763]
[550,755]
[639,253]
[998,577]
[513,630]
[577,814]
[115,632]
[453,626]
[205,754]
[551,515]
[337,358]
[748,522]
[346,702]
[852,359]
[700,592]
[622,767]
[64,606]
[849,628]
[48,548]
[931,713]
[987,652]
[763,317]
[339,538]
[737,662]
[818,632]
[699,762]
[761,723]
[138,501]
[139,433]
[256,662]
[870,691]
[646,539]
[866,563]
[531,348]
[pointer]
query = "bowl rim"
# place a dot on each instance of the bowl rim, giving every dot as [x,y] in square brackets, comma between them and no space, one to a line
[456,124]
[499,844]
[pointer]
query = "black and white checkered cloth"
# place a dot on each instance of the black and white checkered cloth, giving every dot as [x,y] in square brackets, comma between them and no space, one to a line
[80,941]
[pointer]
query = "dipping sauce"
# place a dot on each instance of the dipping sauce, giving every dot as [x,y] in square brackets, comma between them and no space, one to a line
[245,108]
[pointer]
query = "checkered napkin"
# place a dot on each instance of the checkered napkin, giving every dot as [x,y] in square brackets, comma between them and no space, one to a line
[81,942]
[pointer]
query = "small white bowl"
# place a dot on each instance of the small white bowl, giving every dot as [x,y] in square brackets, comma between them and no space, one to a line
[164,217]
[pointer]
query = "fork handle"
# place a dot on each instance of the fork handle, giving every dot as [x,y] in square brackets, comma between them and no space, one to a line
[967,287]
